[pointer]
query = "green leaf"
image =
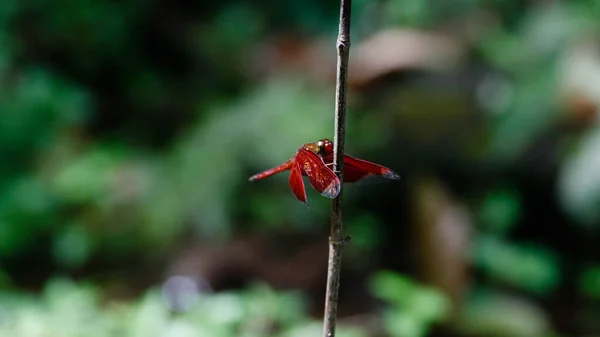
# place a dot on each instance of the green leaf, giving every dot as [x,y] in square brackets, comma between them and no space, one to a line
[500,210]
[526,266]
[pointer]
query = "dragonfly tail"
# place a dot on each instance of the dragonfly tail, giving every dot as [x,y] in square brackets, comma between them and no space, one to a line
[283,167]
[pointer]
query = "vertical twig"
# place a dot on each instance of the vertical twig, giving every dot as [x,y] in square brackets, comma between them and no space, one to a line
[336,238]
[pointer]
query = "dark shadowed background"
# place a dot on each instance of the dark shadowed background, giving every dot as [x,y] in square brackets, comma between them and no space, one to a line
[128,130]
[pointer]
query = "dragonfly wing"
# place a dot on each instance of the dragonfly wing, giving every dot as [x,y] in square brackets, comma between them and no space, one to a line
[356,169]
[352,174]
[297,184]
[321,177]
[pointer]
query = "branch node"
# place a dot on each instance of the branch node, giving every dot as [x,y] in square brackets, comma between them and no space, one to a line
[343,44]
[341,241]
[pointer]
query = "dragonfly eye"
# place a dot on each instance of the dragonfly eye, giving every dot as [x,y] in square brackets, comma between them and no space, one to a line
[327,146]
[320,147]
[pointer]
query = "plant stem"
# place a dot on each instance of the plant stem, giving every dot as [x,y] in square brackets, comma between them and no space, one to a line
[336,238]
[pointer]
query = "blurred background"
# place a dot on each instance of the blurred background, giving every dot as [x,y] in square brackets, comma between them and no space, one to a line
[128,131]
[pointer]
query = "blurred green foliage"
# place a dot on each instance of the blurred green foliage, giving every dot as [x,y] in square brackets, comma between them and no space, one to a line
[490,313]
[530,267]
[68,309]
[589,282]
[500,211]
[412,307]
[580,187]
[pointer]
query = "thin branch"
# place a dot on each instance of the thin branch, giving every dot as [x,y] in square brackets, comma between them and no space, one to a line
[336,238]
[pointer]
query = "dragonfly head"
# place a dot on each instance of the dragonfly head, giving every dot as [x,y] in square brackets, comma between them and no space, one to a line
[324,147]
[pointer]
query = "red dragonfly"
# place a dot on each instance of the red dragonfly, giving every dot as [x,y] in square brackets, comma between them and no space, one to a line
[313,160]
